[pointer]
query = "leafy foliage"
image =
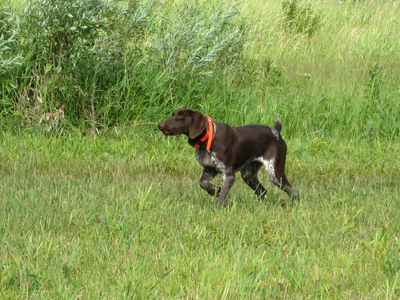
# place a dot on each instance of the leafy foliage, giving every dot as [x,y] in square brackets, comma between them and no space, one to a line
[78,48]
[191,55]
[8,58]
[6,22]
[101,57]
[7,62]
[199,44]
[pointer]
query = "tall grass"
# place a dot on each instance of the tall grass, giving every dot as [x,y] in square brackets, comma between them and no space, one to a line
[315,65]
[330,72]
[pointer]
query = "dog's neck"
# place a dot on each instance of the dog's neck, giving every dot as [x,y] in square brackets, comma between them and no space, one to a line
[206,136]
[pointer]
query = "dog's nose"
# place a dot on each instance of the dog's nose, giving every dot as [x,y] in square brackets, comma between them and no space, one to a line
[160,126]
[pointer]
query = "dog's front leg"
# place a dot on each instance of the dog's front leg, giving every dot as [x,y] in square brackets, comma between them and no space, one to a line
[227,182]
[208,175]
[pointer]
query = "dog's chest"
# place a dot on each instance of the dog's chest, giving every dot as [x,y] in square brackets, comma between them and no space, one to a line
[209,159]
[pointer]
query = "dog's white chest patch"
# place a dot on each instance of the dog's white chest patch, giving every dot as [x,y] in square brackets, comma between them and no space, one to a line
[209,159]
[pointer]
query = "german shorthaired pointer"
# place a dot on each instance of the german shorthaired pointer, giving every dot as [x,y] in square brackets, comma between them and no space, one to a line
[225,150]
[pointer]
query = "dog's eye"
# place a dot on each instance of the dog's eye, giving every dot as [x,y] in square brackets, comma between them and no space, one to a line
[180,117]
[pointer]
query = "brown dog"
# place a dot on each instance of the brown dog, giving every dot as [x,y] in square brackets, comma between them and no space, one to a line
[225,150]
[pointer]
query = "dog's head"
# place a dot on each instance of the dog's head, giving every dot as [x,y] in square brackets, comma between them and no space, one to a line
[184,121]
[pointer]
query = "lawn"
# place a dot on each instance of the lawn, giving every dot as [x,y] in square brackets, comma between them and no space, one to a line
[122,216]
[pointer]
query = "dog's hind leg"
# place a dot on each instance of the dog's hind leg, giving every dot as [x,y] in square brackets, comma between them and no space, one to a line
[250,177]
[283,183]
[276,173]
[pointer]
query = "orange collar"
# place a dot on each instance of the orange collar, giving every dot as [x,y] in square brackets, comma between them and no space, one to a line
[208,136]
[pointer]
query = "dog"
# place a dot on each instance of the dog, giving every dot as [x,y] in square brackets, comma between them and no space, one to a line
[225,150]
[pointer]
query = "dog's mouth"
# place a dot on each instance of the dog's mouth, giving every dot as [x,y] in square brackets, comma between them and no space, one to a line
[168,132]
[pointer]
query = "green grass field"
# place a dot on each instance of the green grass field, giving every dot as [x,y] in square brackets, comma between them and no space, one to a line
[120,214]
[123,216]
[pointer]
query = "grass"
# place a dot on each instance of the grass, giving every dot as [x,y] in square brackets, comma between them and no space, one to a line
[122,216]
[343,73]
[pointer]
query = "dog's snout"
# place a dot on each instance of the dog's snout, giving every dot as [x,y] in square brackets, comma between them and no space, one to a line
[160,125]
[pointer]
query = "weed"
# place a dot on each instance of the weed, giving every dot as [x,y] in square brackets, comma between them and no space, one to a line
[374,85]
[374,107]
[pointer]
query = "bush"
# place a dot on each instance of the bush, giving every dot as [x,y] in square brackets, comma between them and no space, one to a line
[194,52]
[77,51]
[198,44]
[8,58]
[6,22]
[112,62]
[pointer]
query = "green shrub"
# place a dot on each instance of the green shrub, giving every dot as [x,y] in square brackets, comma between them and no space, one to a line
[8,58]
[200,44]
[6,22]
[77,51]
[193,54]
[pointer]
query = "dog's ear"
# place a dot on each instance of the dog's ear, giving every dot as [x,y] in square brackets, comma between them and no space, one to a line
[197,125]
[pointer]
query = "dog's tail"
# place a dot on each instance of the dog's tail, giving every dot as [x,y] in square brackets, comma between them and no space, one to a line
[278,125]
